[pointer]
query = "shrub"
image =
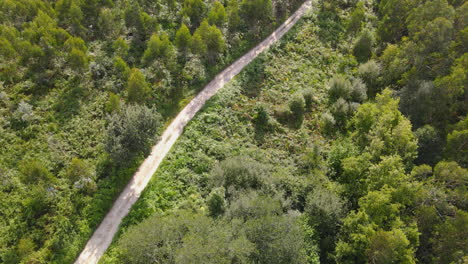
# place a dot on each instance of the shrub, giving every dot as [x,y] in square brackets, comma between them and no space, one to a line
[32,171]
[328,123]
[297,107]
[239,173]
[261,118]
[358,91]
[369,72]
[308,99]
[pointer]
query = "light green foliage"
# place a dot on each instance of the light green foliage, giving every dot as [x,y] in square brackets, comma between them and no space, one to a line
[456,143]
[208,41]
[137,87]
[113,104]
[121,68]
[183,38]
[157,47]
[120,47]
[217,15]
[381,129]
[33,171]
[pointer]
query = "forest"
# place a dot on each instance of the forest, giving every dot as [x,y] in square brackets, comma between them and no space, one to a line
[347,142]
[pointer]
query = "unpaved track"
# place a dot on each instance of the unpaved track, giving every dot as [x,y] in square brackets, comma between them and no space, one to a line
[103,235]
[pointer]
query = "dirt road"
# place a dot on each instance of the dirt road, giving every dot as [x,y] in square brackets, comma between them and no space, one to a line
[103,235]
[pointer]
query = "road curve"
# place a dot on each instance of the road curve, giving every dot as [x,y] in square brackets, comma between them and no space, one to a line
[103,235]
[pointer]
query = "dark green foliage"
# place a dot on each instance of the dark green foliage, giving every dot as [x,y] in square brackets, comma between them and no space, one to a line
[362,49]
[309,100]
[195,10]
[261,118]
[216,203]
[429,145]
[297,108]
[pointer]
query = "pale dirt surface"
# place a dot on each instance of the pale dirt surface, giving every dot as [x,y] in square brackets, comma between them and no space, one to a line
[103,235]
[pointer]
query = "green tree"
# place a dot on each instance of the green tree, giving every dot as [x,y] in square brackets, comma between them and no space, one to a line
[137,87]
[256,13]
[121,68]
[131,131]
[208,39]
[356,19]
[157,48]
[239,173]
[381,129]
[113,104]
[183,38]
[234,19]
[457,141]
[362,49]
[77,60]
[120,47]
[195,9]
[217,15]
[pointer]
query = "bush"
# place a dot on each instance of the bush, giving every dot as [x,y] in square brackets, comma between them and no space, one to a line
[370,72]
[32,172]
[261,118]
[328,123]
[308,99]
[359,91]
[297,107]
[239,173]
[340,87]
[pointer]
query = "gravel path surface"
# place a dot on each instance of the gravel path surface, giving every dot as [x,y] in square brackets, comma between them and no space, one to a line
[103,235]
